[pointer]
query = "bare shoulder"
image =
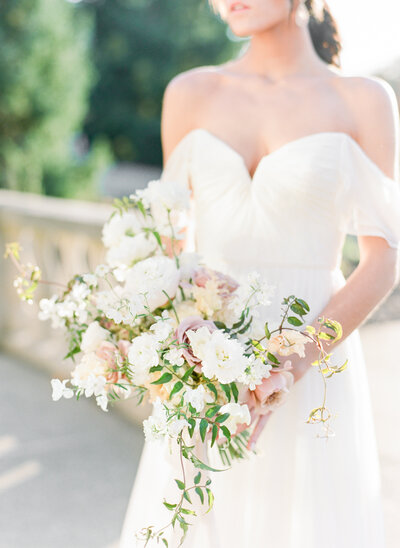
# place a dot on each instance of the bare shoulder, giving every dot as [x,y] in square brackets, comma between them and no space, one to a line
[182,100]
[373,104]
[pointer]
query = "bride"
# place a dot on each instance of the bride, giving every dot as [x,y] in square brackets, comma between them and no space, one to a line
[284,156]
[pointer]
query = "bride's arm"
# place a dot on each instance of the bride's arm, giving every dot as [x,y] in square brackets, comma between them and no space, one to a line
[378,269]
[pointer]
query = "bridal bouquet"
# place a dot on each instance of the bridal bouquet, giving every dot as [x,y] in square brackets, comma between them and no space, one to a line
[156,323]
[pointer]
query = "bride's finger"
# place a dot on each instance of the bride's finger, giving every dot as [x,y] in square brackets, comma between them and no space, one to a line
[261,422]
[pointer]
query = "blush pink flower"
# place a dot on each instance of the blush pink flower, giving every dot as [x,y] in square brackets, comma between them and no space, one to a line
[193,323]
[225,283]
[267,396]
[109,353]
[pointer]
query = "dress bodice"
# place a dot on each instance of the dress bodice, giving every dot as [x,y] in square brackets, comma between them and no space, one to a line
[296,208]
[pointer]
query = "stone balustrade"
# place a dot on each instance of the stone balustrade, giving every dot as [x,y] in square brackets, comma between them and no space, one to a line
[62,237]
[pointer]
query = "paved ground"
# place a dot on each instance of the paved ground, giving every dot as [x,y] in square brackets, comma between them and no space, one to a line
[66,469]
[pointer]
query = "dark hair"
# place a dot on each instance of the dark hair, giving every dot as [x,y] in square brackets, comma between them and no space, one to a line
[324,31]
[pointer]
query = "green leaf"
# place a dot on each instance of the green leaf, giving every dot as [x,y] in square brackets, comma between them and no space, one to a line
[226,431]
[197,478]
[222,418]
[203,429]
[169,505]
[199,491]
[188,373]
[220,325]
[273,358]
[214,434]
[298,309]
[267,331]
[180,484]
[177,386]
[186,496]
[235,391]
[192,426]
[165,542]
[227,390]
[166,377]
[303,304]
[203,466]
[211,411]
[186,511]
[210,499]
[294,321]
[212,388]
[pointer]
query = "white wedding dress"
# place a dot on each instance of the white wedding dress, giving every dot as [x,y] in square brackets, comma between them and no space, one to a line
[288,222]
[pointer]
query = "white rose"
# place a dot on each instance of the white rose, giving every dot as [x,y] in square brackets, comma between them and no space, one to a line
[153,277]
[223,358]
[93,336]
[131,249]
[127,224]
[239,414]
[142,355]
[197,397]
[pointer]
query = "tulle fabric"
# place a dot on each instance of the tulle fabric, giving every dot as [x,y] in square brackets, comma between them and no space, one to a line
[289,223]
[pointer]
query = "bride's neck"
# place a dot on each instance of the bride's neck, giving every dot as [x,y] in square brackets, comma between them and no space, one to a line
[281,51]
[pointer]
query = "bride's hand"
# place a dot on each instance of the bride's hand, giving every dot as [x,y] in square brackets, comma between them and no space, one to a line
[259,427]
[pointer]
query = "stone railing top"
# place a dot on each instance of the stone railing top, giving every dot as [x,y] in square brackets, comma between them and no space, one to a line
[73,214]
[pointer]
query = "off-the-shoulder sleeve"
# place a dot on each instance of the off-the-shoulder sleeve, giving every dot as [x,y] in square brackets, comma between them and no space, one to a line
[178,164]
[178,168]
[371,198]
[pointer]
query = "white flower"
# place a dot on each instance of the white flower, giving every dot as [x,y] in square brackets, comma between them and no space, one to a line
[175,426]
[120,305]
[174,356]
[66,308]
[158,426]
[127,224]
[102,401]
[131,249]
[48,311]
[90,279]
[79,292]
[255,372]
[60,390]
[142,355]
[154,277]
[170,195]
[102,270]
[163,327]
[199,340]
[223,358]
[90,366]
[93,336]
[95,385]
[197,397]
[254,291]
[239,414]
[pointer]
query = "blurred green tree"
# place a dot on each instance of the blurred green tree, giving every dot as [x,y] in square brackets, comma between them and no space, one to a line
[45,79]
[139,45]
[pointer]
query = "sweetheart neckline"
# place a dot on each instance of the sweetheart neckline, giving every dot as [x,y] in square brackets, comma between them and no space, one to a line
[250,177]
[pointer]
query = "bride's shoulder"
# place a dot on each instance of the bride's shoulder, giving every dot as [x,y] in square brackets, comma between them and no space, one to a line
[193,84]
[182,103]
[372,105]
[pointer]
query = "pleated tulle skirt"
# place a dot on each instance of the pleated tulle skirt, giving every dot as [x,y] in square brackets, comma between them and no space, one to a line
[300,491]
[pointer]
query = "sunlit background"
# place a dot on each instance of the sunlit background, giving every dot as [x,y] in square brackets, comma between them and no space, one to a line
[81,89]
